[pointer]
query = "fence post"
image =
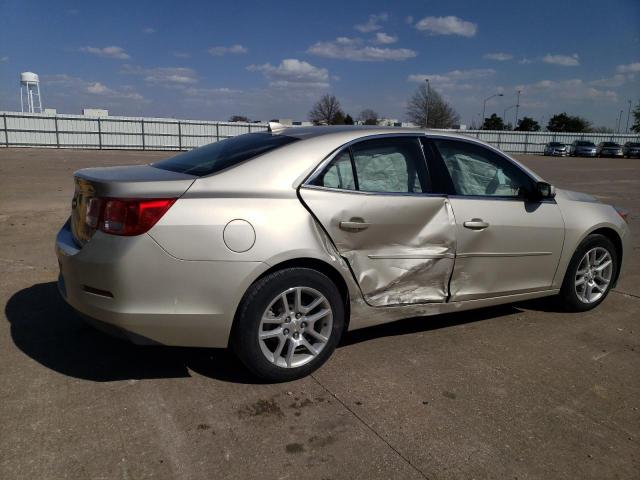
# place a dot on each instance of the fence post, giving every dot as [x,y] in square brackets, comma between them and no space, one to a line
[526,142]
[249,129]
[217,132]
[99,134]
[55,119]
[179,136]
[144,146]
[6,131]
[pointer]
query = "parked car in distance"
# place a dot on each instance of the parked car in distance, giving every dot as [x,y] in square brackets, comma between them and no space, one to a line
[631,149]
[556,149]
[275,243]
[609,149]
[582,148]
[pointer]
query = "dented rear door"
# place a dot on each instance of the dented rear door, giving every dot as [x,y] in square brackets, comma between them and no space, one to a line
[399,244]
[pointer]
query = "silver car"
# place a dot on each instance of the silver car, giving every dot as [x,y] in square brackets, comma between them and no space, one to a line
[556,149]
[583,148]
[275,243]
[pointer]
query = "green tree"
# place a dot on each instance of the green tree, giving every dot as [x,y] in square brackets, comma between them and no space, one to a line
[562,122]
[494,122]
[348,120]
[440,113]
[327,111]
[528,124]
[368,117]
[636,119]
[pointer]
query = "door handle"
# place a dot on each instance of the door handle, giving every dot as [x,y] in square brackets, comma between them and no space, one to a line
[357,226]
[476,224]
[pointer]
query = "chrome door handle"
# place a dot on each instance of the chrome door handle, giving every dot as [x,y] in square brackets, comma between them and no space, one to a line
[476,224]
[354,226]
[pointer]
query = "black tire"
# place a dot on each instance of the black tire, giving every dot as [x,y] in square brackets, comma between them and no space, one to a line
[244,337]
[568,297]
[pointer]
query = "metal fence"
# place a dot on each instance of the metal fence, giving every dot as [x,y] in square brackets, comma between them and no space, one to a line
[534,142]
[137,133]
[131,133]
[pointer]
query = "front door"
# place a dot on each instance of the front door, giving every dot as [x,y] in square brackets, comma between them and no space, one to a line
[505,244]
[374,201]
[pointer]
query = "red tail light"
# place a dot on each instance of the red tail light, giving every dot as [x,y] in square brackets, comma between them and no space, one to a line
[120,216]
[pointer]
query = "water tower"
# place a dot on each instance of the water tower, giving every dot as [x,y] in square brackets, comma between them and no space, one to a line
[30,93]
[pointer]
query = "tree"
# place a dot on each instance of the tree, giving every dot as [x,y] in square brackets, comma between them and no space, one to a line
[368,117]
[327,111]
[636,119]
[528,124]
[562,122]
[239,118]
[494,122]
[348,120]
[441,114]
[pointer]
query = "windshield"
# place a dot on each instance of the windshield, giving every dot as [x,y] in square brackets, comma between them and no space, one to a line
[556,144]
[227,153]
[609,144]
[585,144]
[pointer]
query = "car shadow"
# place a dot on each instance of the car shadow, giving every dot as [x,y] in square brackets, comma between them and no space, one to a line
[46,329]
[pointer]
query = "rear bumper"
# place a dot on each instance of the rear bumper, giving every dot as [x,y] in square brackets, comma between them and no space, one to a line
[132,286]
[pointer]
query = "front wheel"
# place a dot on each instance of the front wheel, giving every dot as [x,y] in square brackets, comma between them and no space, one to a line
[590,274]
[288,324]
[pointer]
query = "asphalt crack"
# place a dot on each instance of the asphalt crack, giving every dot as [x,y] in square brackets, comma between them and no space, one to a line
[370,428]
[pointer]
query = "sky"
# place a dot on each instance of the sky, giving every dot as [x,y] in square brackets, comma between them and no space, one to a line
[266,60]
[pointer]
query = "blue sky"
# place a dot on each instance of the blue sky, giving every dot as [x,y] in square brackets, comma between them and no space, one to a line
[212,59]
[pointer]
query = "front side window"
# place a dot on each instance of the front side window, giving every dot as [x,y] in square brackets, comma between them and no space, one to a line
[476,170]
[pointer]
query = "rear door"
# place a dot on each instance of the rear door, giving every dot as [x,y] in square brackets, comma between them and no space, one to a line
[374,199]
[506,243]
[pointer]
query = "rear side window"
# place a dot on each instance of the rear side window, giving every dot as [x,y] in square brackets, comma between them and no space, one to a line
[385,165]
[227,153]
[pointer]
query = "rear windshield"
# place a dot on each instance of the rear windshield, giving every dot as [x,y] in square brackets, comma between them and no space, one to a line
[227,153]
[585,144]
[631,144]
[609,144]
[556,144]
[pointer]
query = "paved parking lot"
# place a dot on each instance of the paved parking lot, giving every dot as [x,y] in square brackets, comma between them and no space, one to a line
[516,391]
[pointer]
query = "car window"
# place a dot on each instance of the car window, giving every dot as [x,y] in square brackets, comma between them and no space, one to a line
[391,165]
[224,154]
[476,170]
[339,173]
[385,165]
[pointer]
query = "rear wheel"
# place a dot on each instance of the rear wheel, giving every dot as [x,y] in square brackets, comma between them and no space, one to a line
[590,274]
[288,324]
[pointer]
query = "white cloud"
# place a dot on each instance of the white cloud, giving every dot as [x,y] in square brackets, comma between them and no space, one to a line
[373,23]
[4,59]
[293,73]
[107,52]
[614,81]
[164,76]
[629,68]
[449,25]
[562,60]
[455,79]
[345,48]
[97,88]
[233,49]
[524,61]
[149,30]
[498,56]
[384,39]
[572,89]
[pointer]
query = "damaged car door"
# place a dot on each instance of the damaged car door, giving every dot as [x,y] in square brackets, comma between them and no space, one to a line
[374,199]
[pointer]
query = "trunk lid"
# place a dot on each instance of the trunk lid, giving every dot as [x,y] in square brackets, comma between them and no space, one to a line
[137,181]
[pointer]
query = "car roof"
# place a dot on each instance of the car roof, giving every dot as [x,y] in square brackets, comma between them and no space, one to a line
[353,132]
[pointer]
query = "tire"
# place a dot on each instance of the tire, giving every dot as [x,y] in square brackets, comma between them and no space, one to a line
[569,297]
[264,300]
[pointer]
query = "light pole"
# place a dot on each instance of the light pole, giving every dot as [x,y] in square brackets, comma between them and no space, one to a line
[628,114]
[619,121]
[426,102]
[517,108]
[484,106]
[504,114]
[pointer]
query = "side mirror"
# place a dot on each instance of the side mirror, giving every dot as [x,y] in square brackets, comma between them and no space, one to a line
[544,190]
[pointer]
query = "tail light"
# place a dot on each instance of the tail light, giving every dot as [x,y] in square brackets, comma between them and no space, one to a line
[128,217]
